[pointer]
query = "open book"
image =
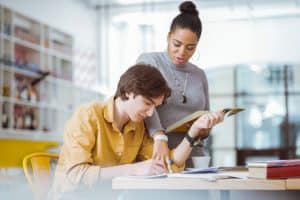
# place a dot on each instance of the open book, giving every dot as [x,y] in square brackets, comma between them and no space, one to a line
[208,176]
[185,123]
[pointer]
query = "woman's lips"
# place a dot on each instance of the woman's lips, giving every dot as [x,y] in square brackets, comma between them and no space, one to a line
[179,60]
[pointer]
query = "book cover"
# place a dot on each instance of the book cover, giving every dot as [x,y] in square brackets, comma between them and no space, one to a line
[275,169]
[185,123]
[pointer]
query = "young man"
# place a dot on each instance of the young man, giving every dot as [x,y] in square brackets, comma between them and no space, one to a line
[104,140]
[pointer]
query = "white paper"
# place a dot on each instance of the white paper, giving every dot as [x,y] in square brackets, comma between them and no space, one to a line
[144,177]
[204,176]
[210,176]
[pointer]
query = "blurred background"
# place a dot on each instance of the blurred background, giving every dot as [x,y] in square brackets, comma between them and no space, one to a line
[58,54]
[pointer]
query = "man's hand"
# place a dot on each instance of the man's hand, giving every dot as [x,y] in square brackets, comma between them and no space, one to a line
[149,167]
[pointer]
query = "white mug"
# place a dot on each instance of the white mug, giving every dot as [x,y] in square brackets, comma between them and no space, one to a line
[200,161]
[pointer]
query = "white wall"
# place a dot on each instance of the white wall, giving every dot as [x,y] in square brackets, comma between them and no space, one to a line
[74,18]
[248,41]
[228,39]
[66,15]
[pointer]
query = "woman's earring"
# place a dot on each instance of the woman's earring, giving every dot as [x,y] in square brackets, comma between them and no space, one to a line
[197,55]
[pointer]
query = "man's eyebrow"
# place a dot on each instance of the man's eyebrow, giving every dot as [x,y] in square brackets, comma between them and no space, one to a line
[149,99]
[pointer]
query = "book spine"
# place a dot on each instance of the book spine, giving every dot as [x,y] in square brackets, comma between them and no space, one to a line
[283,172]
[281,163]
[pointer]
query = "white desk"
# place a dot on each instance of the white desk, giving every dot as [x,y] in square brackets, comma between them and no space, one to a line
[269,188]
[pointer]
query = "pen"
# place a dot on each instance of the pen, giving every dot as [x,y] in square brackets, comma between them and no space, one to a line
[169,162]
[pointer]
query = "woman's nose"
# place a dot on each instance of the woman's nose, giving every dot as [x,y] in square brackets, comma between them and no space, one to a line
[181,51]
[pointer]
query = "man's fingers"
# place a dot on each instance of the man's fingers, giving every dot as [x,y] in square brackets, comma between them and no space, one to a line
[159,165]
[154,155]
[158,157]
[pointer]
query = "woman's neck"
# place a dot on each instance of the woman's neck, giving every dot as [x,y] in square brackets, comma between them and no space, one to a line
[120,116]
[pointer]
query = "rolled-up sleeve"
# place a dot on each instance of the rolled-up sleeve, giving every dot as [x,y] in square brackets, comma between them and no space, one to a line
[145,152]
[76,159]
[174,166]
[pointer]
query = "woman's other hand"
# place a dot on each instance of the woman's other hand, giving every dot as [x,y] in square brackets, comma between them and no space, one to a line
[160,147]
[160,150]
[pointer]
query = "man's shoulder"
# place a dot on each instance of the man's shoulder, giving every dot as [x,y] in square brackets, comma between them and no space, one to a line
[91,107]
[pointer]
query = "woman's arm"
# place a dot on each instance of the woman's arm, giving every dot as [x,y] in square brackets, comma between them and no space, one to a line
[160,146]
[157,132]
[197,130]
[153,124]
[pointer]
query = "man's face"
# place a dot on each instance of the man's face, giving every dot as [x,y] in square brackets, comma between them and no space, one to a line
[139,107]
[182,45]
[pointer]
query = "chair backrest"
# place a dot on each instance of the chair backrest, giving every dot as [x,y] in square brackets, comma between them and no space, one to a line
[37,170]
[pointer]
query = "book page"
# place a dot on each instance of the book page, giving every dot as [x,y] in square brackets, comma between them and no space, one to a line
[164,175]
[214,176]
[211,176]
[200,170]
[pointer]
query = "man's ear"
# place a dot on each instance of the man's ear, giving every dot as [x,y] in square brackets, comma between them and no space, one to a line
[128,95]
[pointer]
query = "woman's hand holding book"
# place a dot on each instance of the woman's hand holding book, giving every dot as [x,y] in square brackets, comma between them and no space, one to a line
[201,127]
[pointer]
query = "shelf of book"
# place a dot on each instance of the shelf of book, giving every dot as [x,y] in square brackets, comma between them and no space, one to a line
[37,93]
[36,47]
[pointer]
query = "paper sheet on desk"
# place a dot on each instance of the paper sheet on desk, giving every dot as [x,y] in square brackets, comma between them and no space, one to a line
[210,176]
[205,176]
[200,170]
[144,177]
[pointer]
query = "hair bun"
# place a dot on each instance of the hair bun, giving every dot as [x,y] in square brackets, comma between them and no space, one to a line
[188,7]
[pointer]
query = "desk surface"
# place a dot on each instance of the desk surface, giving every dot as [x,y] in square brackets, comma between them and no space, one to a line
[293,184]
[199,184]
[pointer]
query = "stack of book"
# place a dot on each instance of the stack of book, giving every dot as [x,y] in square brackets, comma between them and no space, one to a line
[274,169]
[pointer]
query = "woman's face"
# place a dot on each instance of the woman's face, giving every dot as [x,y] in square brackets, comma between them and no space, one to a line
[182,45]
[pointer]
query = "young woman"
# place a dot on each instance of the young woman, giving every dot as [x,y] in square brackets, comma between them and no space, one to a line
[187,81]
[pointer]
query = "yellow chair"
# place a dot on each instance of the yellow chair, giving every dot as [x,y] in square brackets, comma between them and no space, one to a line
[37,170]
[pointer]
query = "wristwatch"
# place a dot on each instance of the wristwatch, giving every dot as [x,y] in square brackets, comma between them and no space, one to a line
[193,141]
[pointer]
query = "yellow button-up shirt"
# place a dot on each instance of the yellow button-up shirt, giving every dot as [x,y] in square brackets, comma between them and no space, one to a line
[92,140]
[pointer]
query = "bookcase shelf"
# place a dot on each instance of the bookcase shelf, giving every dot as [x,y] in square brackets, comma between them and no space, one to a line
[29,50]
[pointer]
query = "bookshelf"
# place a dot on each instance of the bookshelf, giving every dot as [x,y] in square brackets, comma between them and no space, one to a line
[29,50]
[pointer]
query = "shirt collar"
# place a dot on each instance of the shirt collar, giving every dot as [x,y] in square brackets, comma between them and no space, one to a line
[109,110]
[109,116]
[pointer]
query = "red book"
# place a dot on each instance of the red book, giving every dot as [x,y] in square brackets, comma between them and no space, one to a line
[274,169]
